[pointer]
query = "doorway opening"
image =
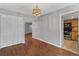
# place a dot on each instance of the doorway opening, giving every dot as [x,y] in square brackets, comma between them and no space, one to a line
[71,34]
[69,31]
[28,32]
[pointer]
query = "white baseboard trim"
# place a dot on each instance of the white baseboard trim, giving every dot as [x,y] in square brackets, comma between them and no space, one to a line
[70,50]
[46,42]
[55,45]
[11,45]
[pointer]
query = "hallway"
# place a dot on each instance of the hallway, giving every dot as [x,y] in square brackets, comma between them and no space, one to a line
[34,48]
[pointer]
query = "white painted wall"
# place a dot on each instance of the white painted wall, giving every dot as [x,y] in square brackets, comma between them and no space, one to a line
[12,30]
[28,19]
[12,27]
[49,27]
[46,28]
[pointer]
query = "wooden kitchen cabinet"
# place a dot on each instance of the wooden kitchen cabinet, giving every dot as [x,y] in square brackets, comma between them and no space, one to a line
[74,22]
[74,36]
[75,29]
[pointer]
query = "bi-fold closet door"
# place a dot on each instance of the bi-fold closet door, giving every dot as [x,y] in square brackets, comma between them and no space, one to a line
[12,30]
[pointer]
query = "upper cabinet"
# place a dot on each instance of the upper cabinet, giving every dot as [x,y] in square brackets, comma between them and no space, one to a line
[75,22]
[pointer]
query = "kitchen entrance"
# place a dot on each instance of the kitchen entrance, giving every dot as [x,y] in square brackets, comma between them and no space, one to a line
[71,34]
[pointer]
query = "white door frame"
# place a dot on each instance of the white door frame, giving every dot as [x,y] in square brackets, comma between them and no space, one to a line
[61,26]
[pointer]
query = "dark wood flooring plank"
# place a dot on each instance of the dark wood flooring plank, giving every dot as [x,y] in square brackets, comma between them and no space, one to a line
[34,47]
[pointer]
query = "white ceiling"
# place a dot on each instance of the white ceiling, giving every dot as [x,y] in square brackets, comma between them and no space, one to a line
[26,8]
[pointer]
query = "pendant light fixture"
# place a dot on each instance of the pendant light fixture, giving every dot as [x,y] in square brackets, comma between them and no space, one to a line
[36,11]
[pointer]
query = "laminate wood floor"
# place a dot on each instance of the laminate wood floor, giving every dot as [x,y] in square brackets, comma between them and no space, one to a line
[34,47]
